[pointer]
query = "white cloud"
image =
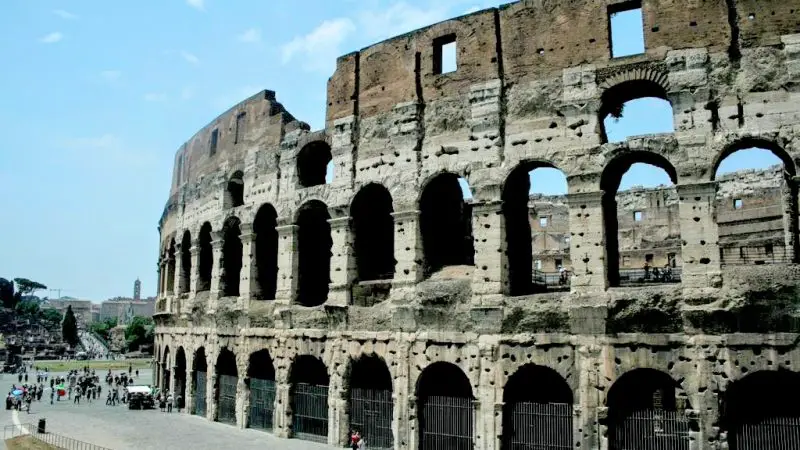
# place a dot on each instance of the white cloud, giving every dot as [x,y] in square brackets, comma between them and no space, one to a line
[321,46]
[250,35]
[197,4]
[111,75]
[187,93]
[51,38]
[473,9]
[400,18]
[154,97]
[190,58]
[64,14]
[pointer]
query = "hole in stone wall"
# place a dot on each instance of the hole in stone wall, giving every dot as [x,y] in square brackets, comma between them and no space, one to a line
[231,257]
[373,229]
[634,108]
[240,127]
[445,52]
[234,191]
[186,262]
[266,243]
[314,253]
[314,164]
[212,145]
[205,258]
[626,29]
[446,224]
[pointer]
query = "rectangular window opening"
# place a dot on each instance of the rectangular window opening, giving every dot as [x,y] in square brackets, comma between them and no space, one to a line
[559,263]
[672,259]
[648,258]
[737,203]
[768,249]
[542,222]
[213,144]
[637,216]
[626,29]
[239,128]
[445,54]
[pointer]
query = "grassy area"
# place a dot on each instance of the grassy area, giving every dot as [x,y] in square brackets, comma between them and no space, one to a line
[27,443]
[64,366]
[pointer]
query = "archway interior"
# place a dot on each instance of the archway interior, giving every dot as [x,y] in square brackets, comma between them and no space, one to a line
[642,390]
[226,363]
[634,108]
[261,366]
[642,221]
[535,242]
[445,408]
[314,164]
[370,405]
[446,224]
[261,382]
[309,370]
[234,191]
[226,386]
[370,372]
[309,398]
[373,228]
[186,262]
[206,259]
[171,267]
[166,370]
[231,257]
[537,384]
[314,245]
[180,378]
[266,250]
[199,363]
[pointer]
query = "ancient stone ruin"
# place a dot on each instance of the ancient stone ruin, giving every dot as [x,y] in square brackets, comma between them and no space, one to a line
[383,301]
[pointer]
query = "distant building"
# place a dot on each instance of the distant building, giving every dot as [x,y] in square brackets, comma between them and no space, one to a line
[121,309]
[81,308]
[137,290]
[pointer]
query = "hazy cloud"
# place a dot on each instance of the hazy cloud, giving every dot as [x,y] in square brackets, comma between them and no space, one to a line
[400,18]
[111,75]
[190,58]
[154,97]
[64,14]
[51,38]
[187,93]
[319,48]
[250,35]
[197,4]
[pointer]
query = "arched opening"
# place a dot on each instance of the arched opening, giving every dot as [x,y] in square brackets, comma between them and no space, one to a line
[186,262]
[756,204]
[642,220]
[261,381]
[646,409]
[199,382]
[234,190]
[634,108]
[537,229]
[231,257]
[762,410]
[165,369]
[373,230]
[445,408]
[171,267]
[205,259]
[266,248]
[180,378]
[314,253]
[314,164]
[309,399]
[537,410]
[446,224]
[370,402]
[227,378]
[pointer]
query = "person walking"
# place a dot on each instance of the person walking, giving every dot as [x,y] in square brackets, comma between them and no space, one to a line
[170,399]
[179,402]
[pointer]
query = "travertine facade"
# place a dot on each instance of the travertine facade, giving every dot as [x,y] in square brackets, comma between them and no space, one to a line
[386,270]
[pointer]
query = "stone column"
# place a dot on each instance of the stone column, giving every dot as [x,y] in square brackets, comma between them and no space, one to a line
[790,221]
[700,236]
[217,270]
[178,283]
[403,401]
[190,387]
[172,375]
[211,391]
[161,277]
[587,242]
[242,393]
[287,263]
[248,275]
[282,415]
[489,240]
[194,276]
[342,266]
[337,413]
[488,398]
[407,252]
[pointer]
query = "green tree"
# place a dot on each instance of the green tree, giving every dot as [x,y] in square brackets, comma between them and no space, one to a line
[29,308]
[51,317]
[28,287]
[141,331]
[104,328]
[69,328]
[7,293]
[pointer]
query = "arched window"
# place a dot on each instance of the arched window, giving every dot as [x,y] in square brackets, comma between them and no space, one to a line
[234,191]
[634,108]
[446,224]
[186,262]
[755,188]
[266,252]
[261,380]
[199,380]
[373,229]
[443,390]
[231,257]
[314,165]
[370,403]
[642,224]
[171,267]
[206,259]
[537,229]
[309,381]
[227,379]
[314,253]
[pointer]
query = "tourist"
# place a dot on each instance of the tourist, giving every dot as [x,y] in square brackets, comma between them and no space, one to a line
[52,394]
[170,400]
[179,402]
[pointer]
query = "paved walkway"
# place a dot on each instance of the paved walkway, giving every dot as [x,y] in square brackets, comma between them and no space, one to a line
[119,428]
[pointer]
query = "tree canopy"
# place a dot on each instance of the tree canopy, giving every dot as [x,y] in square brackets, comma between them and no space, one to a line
[11,296]
[69,328]
[141,331]
[104,327]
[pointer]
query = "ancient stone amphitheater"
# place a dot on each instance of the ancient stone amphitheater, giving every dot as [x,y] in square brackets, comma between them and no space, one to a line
[384,301]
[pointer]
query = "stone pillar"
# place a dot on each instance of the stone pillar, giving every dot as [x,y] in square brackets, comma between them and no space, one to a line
[194,276]
[282,416]
[337,414]
[211,392]
[342,267]
[248,275]
[403,401]
[700,236]
[172,375]
[242,393]
[287,263]
[158,374]
[791,219]
[489,395]
[489,240]
[178,282]
[217,270]
[407,252]
[587,242]
[161,277]
[190,386]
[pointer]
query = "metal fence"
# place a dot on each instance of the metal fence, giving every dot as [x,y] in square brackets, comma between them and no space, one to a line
[650,430]
[538,426]
[262,403]
[200,379]
[446,423]
[551,280]
[371,414]
[56,440]
[774,433]
[310,412]
[739,260]
[226,404]
[653,275]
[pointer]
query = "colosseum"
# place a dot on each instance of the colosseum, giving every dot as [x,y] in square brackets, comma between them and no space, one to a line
[383,299]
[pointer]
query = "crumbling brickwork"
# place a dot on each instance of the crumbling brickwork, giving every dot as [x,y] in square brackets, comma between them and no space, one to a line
[453,316]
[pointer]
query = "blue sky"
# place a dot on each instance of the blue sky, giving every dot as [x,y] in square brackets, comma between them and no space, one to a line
[102,93]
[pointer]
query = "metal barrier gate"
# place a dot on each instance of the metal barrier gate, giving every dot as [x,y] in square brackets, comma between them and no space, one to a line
[538,426]
[371,414]
[651,430]
[447,423]
[310,412]
[200,379]
[779,433]
[262,403]
[226,399]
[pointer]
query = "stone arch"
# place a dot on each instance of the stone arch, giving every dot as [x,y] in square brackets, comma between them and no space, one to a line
[262,388]
[312,163]
[180,378]
[445,224]
[234,191]
[314,245]
[166,369]
[624,86]
[373,233]
[753,142]
[171,255]
[308,398]
[199,382]
[609,184]
[537,409]
[444,390]
[232,253]
[370,407]
[266,251]
[205,258]
[227,377]
[186,262]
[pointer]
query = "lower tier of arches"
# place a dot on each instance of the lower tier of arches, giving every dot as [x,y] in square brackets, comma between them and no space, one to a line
[441,391]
